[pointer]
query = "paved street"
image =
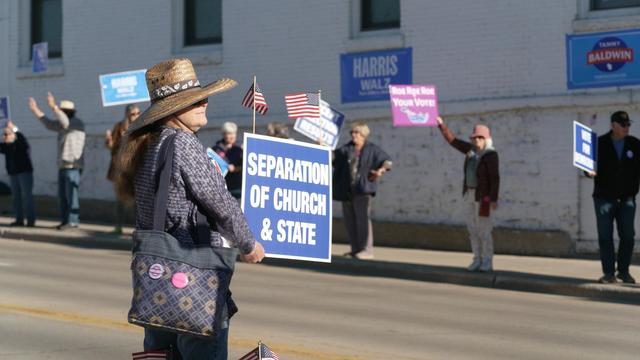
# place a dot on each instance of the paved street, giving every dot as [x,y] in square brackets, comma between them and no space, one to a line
[64,302]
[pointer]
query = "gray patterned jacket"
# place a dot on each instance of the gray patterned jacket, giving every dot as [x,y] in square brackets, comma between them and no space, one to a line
[71,138]
[194,182]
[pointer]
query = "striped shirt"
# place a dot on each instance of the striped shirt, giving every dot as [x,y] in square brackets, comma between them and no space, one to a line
[194,180]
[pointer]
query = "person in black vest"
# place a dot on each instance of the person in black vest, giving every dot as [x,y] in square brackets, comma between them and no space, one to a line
[614,196]
[357,167]
[15,147]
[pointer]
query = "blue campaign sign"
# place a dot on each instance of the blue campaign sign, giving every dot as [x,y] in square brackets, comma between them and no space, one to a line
[124,88]
[585,147]
[4,108]
[326,129]
[603,59]
[366,76]
[40,56]
[286,197]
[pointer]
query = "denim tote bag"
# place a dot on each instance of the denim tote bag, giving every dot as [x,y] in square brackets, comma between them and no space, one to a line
[177,287]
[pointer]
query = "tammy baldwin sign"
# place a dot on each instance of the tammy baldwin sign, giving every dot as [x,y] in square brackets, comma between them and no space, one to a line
[603,59]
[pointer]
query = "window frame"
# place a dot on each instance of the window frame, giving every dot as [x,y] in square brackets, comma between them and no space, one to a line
[365,17]
[593,2]
[36,17]
[189,28]
[205,54]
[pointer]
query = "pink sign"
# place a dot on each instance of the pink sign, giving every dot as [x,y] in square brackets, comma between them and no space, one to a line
[414,105]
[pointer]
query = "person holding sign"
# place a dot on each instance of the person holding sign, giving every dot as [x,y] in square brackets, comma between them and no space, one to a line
[480,189]
[16,150]
[194,189]
[614,196]
[358,166]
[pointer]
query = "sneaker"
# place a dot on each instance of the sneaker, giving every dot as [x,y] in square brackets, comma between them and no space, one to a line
[486,267]
[31,224]
[17,224]
[607,279]
[626,277]
[474,266]
[67,226]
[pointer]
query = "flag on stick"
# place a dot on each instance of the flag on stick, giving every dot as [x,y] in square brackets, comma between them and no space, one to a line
[261,352]
[251,96]
[303,105]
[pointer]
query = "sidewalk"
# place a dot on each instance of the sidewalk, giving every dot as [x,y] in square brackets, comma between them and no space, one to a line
[571,277]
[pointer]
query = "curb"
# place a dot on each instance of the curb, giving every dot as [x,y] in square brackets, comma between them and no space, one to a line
[503,280]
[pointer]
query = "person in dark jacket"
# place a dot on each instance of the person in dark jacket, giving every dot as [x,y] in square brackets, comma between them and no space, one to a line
[231,152]
[480,189]
[614,196]
[357,167]
[15,147]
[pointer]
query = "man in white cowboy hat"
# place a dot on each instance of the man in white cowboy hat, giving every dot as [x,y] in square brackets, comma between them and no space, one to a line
[71,139]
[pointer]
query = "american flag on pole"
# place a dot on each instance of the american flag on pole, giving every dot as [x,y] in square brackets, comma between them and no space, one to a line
[151,355]
[303,105]
[262,352]
[251,95]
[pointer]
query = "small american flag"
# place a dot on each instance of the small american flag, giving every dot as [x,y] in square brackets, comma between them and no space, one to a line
[151,355]
[262,351]
[261,103]
[303,105]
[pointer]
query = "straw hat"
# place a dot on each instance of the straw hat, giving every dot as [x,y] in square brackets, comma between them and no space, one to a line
[174,86]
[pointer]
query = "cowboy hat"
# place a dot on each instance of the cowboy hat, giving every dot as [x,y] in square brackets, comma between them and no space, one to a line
[174,86]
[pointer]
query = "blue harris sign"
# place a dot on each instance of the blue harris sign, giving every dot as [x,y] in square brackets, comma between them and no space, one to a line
[40,57]
[286,197]
[124,88]
[326,129]
[603,59]
[366,76]
[585,147]
[4,108]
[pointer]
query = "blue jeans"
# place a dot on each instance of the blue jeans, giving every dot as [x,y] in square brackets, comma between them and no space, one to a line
[68,184]
[623,212]
[187,347]
[22,190]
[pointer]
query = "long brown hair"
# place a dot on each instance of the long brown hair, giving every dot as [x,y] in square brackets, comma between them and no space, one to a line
[130,159]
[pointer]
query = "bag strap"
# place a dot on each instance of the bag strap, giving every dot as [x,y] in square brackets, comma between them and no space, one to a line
[165,165]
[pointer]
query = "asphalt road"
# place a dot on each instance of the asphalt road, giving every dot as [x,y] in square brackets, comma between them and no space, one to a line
[61,302]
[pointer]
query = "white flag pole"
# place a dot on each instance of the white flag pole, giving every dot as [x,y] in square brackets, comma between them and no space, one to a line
[254,104]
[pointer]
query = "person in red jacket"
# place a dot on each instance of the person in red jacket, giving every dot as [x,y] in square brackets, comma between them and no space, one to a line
[479,189]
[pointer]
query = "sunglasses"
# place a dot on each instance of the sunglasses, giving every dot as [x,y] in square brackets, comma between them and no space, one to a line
[6,134]
[625,125]
[200,103]
[477,137]
[355,132]
[134,113]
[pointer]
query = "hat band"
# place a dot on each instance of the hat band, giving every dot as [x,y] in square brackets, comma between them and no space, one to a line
[167,90]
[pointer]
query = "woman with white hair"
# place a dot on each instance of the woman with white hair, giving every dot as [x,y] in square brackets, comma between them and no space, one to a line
[229,150]
[480,190]
[357,167]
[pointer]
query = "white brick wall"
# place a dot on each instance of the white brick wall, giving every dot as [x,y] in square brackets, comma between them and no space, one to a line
[501,62]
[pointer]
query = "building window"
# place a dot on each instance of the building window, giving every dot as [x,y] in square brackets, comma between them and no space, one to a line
[379,14]
[46,25]
[613,4]
[202,22]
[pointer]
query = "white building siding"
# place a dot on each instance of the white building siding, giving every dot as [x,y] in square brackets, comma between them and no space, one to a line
[501,62]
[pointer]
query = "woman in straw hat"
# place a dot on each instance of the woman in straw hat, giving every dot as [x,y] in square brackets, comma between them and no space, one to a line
[480,190]
[178,106]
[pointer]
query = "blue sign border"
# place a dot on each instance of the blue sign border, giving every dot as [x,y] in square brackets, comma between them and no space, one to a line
[248,137]
[573,83]
[8,109]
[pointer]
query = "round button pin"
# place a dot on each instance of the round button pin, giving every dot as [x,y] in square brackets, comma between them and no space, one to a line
[156,271]
[180,280]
